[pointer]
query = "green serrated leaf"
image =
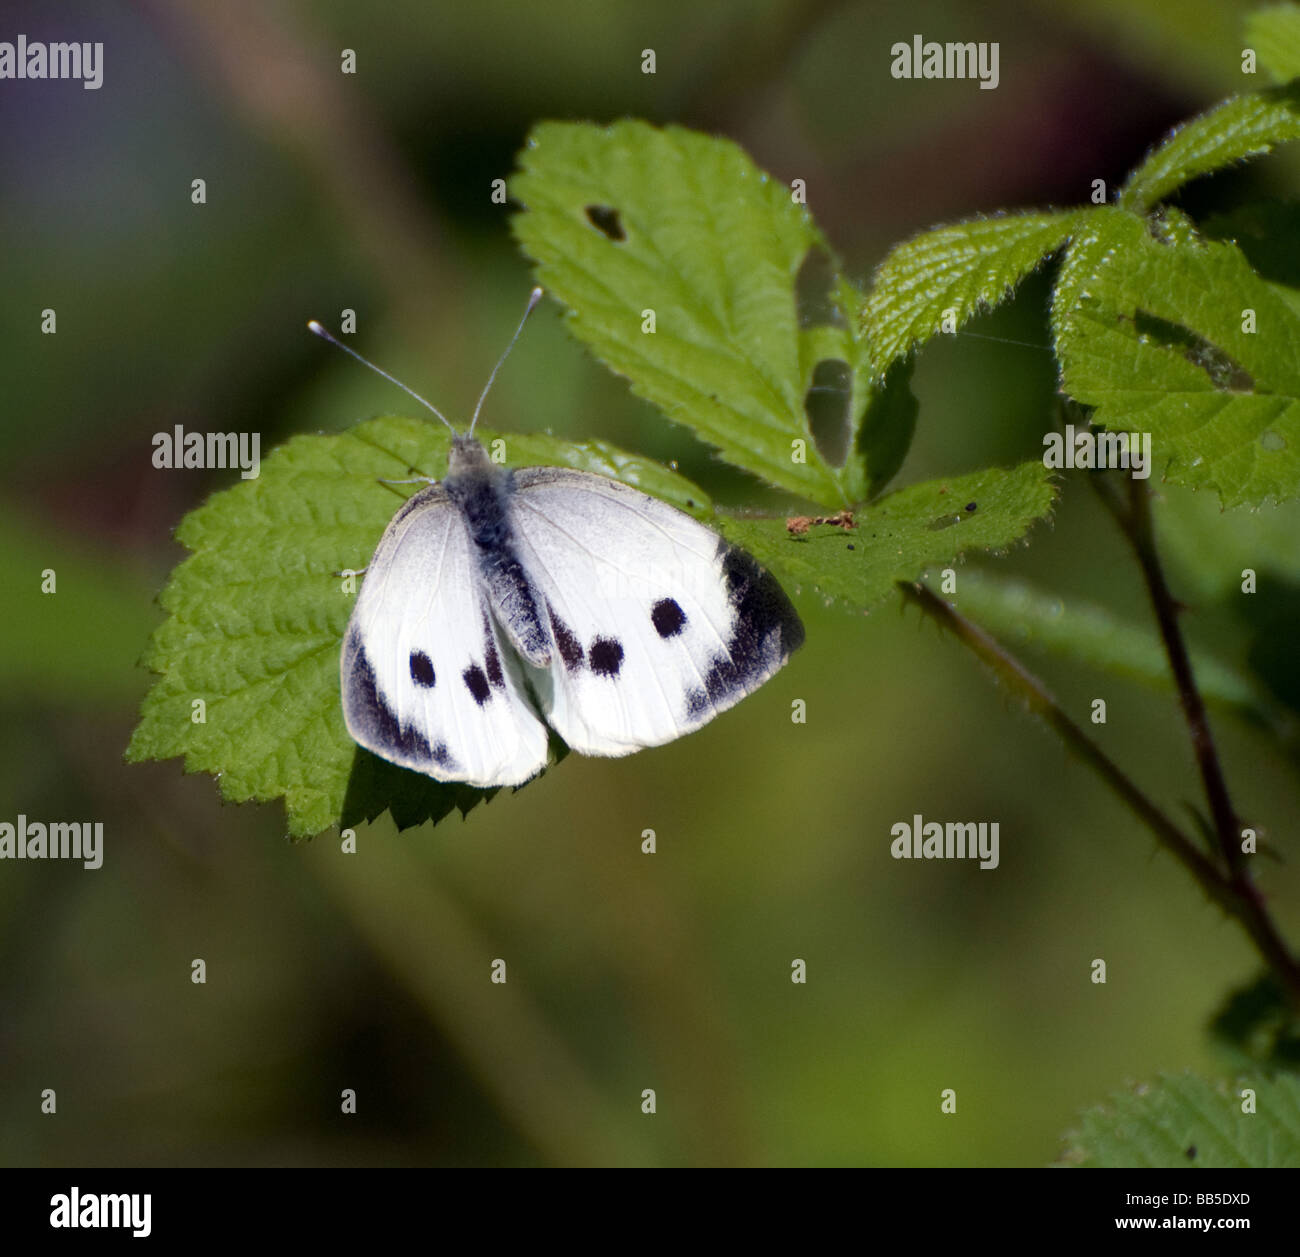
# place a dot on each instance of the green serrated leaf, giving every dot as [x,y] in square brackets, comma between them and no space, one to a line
[631,218]
[1241,127]
[1185,1121]
[900,536]
[1155,336]
[255,619]
[1274,34]
[958,272]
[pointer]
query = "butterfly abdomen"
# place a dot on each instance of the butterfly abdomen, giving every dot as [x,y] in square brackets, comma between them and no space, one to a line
[480,492]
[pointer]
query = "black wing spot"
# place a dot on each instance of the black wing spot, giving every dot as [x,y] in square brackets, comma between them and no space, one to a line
[569,646]
[477,683]
[442,756]
[606,656]
[422,669]
[604,218]
[667,617]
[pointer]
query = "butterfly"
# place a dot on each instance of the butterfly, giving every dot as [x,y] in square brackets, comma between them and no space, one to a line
[501,602]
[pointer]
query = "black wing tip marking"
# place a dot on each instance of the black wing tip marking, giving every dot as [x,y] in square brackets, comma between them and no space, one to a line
[374,724]
[765,632]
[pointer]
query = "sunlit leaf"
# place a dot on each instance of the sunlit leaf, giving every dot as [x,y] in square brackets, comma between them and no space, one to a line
[630,223]
[1241,127]
[1183,340]
[948,275]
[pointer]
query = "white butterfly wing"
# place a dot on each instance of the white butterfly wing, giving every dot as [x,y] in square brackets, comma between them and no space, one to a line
[426,683]
[659,625]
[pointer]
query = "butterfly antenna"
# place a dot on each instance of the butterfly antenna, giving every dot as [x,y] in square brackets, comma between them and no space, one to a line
[533,298]
[365,362]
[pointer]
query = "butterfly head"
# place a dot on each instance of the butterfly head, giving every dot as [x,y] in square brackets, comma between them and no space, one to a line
[466,456]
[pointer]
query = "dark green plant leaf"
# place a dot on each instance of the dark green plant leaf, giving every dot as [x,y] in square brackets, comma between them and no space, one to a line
[1258,1027]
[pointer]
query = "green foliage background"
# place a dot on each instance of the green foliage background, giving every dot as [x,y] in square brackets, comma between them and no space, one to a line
[328,971]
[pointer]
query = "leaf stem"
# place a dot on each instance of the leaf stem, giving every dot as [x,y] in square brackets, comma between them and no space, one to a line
[1234,893]
[1132,511]
[1042,703]
[1142,537]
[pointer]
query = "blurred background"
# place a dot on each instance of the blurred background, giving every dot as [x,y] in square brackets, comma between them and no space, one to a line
[328,971]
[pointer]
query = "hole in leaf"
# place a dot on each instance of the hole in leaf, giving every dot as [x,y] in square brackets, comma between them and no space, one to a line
[885,427]
[813,291]
[1225,374]
[826,404]
[605,220]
